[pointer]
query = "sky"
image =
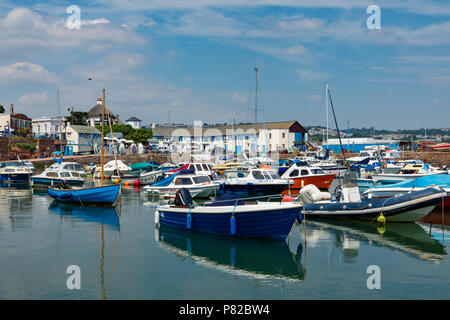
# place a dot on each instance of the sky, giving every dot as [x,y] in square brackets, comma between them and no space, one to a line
[196,59]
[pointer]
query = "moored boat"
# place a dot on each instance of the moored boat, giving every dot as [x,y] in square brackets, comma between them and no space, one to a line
[405,208]
[272,220]
[304,175]
[15,171]
[200,186]
[102,195]
[247,181]
[71,173]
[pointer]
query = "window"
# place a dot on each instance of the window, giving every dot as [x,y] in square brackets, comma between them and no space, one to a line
[258,175]
[205,167]
[199,167]
[273,175]
[270,136]
[316,171]
[52,174]
[74,174]
[191,167]
[304,172]
[183,181]
[294,173]
[266,175]
[201,179]
[283,135]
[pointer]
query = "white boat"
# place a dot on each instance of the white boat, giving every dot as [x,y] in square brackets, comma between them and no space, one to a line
[71,173]
[248,181]
[16,171]
[110,168]
[199,186]
[411,171]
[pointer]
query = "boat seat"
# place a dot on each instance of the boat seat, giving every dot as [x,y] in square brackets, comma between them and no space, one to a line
[310,194]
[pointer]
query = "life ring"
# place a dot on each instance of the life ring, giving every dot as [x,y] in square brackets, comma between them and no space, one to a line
[384,164]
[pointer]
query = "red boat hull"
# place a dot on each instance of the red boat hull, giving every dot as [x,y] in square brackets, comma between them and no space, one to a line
[322,182]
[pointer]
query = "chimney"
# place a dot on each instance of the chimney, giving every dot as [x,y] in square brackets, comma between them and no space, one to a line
[153,125]
[11,109]
[99,101]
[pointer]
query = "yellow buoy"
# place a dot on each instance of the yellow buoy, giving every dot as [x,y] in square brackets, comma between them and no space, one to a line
[116,180]
[381,219]
[381,229]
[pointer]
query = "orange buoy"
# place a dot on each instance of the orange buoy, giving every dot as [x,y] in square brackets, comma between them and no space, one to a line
[287,198]
[126,183]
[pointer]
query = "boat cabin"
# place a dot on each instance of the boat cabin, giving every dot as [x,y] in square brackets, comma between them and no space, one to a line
[185,180]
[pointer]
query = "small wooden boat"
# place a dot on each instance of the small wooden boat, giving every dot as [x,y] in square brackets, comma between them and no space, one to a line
[100,195]
[103,195]
[405,208]
[272,220]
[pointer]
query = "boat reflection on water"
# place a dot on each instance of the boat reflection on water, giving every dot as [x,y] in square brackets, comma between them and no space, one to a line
[105,217]
[258,259]
[409,238]
[15,190]
[108,216]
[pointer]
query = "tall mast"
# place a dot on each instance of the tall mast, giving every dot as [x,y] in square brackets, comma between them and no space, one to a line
[60,121]
[103,128]
[256,110]
[326,108]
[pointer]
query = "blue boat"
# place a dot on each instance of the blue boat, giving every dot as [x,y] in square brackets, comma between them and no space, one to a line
[103,195]
[272,220]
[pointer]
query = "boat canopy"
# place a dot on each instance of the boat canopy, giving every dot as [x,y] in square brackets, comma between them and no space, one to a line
[166,181]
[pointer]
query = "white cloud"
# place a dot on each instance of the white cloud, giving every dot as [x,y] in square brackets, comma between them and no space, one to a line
[26,71]
[296,50]
[34,98]
[301,24]
[308,75]
[237,97]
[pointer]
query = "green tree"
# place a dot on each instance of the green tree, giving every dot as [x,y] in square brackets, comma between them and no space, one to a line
[2,109]
[78,118]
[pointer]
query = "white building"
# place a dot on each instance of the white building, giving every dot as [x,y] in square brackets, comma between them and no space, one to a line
[47,127]
[272,136]
[134,122]
[82,139]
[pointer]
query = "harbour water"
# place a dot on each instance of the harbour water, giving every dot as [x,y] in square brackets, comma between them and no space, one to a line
[122,255]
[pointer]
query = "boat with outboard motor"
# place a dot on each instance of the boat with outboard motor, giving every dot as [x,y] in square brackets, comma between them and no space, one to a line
[348,204]
[230,217]
[408,186]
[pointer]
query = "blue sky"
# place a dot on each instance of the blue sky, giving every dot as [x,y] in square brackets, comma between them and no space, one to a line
[196,58]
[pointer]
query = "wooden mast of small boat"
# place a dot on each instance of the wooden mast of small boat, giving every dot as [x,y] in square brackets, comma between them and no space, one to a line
[103,129]
[114,146]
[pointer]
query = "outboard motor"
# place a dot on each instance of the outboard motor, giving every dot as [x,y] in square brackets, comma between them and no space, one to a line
[183,198]
[310,194]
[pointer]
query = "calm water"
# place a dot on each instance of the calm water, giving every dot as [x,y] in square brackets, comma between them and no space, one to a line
[123,256]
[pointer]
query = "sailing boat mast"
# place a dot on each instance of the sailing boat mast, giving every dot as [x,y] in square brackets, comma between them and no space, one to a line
[256,109]
[326,108]
[103,128]
[60,121]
